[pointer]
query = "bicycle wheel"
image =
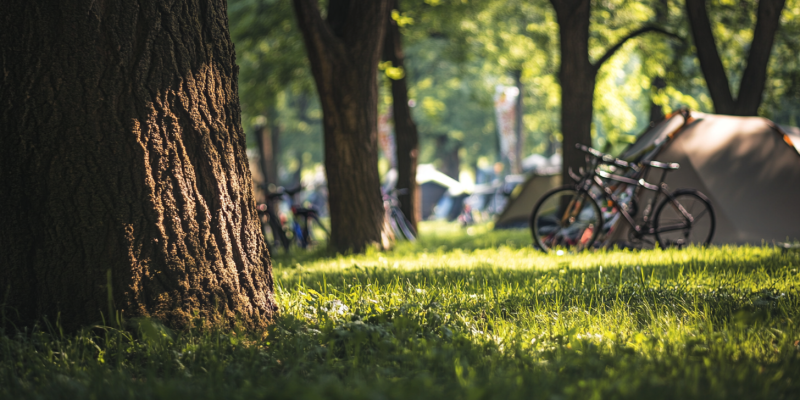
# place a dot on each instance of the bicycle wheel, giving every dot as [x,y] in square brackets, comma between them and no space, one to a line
[275,236]
[673,228]
[312,224]
[565,218]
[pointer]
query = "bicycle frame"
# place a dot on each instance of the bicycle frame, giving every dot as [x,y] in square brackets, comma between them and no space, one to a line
[593,178]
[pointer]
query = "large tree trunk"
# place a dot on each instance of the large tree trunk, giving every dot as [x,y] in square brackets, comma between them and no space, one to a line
[405,129]
[751,88]
[577,78]
[126,186]
[344,51]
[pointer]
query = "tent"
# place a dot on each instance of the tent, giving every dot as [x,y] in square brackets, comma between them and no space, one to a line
[433,185]
[546,176]
[748,166]
[517,212]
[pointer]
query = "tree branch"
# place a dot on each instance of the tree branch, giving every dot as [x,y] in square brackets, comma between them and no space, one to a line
[645,29]
[710,62]
[309,19]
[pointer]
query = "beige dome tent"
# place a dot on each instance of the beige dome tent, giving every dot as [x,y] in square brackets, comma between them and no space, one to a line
[545,175]
[517,213]
[748,166]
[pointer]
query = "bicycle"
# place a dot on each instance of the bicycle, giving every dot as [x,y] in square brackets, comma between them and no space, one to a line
[570,216]
[401,226]
[304,220]
[271,224]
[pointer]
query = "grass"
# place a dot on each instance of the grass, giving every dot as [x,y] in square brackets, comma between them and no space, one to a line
[465,316]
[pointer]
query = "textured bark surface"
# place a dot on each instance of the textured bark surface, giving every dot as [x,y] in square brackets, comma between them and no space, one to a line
[405,129]
[122,156]
[344,51]
[751,88]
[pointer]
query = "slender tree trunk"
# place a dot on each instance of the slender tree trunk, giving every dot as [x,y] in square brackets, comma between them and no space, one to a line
[656,111]
[710,62]
[264,141]
[344,51]
[405,129]
[516,168]
[755,74]
[267,138]
[126,187]
[577,77]
[751,89]
[275,144]
[447,153]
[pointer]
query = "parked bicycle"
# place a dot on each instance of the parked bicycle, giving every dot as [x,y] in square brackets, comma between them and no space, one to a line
[302,226]
[401,226]
[570,217]
[271,223]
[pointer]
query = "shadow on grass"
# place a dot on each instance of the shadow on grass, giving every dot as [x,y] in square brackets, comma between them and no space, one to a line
[391,355]
[719,288]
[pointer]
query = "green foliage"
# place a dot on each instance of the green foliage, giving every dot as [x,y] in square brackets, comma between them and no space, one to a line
[476,314]
[275,83]
[782,92]
[458,51]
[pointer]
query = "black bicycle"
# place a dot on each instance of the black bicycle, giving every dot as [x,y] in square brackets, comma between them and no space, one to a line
[570,217]
[303,227]
[271,224]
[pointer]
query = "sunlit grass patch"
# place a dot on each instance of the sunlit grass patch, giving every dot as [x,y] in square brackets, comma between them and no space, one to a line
[477,314]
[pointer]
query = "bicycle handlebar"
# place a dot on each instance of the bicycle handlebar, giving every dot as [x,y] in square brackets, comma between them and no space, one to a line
[606,158]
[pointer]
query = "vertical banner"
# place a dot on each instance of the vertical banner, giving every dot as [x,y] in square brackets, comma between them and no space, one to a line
[386,137]
[505,107]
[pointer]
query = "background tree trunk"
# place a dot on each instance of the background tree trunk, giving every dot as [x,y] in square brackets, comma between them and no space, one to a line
[577,78]
[405,129]
[447,153]
[123,166]
[344,51]
[751,88]
[516,168]
[267,155]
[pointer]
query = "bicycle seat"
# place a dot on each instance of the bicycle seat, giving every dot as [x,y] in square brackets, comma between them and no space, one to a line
[275,195]
[293,191]
[658,164]
[303,211]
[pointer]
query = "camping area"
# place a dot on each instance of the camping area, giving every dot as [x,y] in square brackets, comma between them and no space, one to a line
[400,199]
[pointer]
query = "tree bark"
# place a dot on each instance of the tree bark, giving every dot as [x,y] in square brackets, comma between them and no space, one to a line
[126,186]
[751,88]
[405,129]
[344,51]
[577,77]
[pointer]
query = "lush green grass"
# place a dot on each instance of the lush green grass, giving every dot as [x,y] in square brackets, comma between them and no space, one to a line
[463,316]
